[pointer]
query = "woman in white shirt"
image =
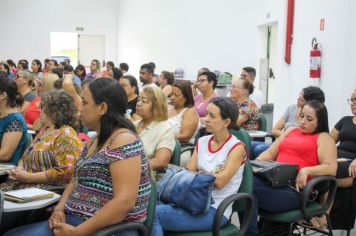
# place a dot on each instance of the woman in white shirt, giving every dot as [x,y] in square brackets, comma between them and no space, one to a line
[155,132]
[221,154]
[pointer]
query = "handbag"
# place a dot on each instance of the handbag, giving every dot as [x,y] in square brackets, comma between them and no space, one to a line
[186,189]
[275,173]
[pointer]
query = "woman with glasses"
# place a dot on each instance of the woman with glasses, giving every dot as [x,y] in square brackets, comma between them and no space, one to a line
[344,132]
[248,111]
[206,82]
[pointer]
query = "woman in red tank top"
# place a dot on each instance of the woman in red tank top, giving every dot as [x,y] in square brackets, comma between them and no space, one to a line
[309,146]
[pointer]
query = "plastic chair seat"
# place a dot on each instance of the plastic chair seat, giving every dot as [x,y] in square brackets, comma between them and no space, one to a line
[289,216]
[229,229]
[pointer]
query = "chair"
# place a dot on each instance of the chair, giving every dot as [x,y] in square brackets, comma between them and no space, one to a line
[242,202]
[262,123]
[175,159]
[242,135]
[1,203]
[144,229]
[307,209]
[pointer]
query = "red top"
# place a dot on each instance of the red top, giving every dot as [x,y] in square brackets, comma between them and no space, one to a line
[33,111]
[299,148]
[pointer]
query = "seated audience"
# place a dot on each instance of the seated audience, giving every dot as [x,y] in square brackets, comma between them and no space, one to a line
[146,77]
[344,134]
[80,72]
[220,154]
[129,83]
[182,116]
[248,110]
[207,82]
[26,86]
[111,181]
[166,81]
[12,66]
[343,216]
[94,69]
[155,132]
[13,129]
[36,67]
[50,158]
[249,73]
[309,146]
[52,154]
[68,70]
[124,68]
[289,118]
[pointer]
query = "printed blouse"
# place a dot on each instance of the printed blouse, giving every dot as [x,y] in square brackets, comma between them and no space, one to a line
[93,187]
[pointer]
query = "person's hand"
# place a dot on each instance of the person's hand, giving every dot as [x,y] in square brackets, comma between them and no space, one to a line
[63,229]
[19,175]
[58,216]
[352,169]
[301,179]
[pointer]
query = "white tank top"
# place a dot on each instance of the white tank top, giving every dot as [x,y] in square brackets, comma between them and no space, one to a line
[210,161]
[176,121]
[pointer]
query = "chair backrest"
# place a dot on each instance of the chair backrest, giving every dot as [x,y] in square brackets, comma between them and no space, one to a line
[1,203]
[175,159]
[262,123]
[242,135]
[151,209]
[245,187]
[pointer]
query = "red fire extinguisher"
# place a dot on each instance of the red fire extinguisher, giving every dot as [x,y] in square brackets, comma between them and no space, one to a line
[315,60]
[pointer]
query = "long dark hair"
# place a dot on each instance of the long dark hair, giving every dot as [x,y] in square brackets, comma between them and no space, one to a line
[14,98]
[110,91]
[321,114]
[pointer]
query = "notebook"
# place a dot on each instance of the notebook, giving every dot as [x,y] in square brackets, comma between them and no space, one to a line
[27,195]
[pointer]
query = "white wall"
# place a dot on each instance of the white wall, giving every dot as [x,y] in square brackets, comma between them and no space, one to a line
[337,41]
[189,34]
[26,25]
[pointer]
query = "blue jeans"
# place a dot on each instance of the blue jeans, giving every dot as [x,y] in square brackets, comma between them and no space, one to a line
[176,219]
[257,148]
[273,199]
[41,228]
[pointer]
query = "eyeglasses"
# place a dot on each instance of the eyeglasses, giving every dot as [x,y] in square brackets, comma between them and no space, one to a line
[351,101]
[199,81]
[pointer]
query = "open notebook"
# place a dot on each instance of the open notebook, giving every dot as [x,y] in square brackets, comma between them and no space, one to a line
[27,195]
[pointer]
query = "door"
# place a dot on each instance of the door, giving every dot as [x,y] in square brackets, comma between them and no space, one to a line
[91,47]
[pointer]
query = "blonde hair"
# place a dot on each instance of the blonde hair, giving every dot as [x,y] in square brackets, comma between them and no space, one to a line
[159,103]
[48,82]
